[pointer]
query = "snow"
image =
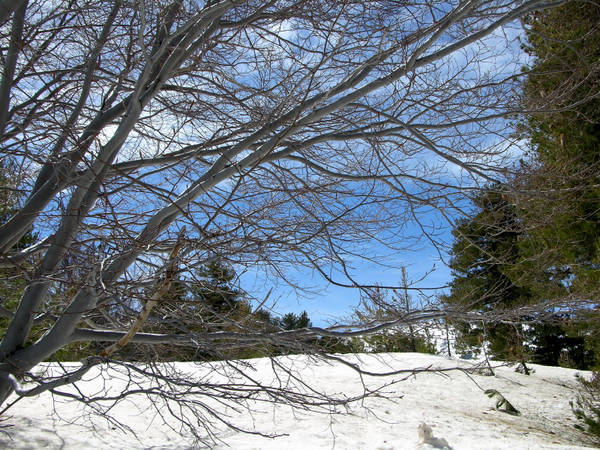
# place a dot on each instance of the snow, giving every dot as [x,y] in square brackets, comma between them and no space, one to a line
[452,404]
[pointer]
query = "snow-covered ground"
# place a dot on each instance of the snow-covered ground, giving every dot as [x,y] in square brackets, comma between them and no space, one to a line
[453,404]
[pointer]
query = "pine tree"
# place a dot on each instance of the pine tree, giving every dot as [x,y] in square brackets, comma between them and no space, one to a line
[205,301]
[565,155]
[12,279]
[214,297]
[543,244]
[291,321]
[563,222]
[484,253]
[383,305]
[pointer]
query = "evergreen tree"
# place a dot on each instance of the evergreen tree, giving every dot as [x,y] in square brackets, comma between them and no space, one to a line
[564,221]
[543,244]
[216,289]
[12,279]
[379,306]
[212,303]
[487,274]
[291,321]
[485,249]
[209,302]
[484,253]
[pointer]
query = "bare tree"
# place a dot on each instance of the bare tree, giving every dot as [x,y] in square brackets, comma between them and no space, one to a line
[154,137]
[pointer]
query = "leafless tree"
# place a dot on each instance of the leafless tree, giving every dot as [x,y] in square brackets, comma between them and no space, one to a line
[153,137]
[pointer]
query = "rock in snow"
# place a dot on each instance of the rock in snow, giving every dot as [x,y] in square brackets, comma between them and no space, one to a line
[428,440]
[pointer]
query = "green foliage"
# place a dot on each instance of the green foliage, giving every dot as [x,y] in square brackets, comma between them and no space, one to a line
[561,255]
[291,321]
[382,307]
[564,223]
[560,344]
[12,280]
[537,238]
[209,303]
[215,293]
[502,404]
[468,337]
[488,273]
[484,255]
[399,341]
[212,303]
[587,326]
[587,405]
[332,344]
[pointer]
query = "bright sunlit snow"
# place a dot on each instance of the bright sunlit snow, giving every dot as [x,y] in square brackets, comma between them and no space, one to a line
[452,404]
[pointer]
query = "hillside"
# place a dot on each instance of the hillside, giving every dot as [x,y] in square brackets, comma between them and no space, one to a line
[453,404]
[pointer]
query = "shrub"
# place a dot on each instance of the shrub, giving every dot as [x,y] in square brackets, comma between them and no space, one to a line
[587,405]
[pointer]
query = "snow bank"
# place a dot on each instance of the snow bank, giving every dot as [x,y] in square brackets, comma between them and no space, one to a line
[452,404]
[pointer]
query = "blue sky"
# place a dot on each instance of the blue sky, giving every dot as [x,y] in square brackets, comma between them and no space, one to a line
[326,303]
[323,301]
